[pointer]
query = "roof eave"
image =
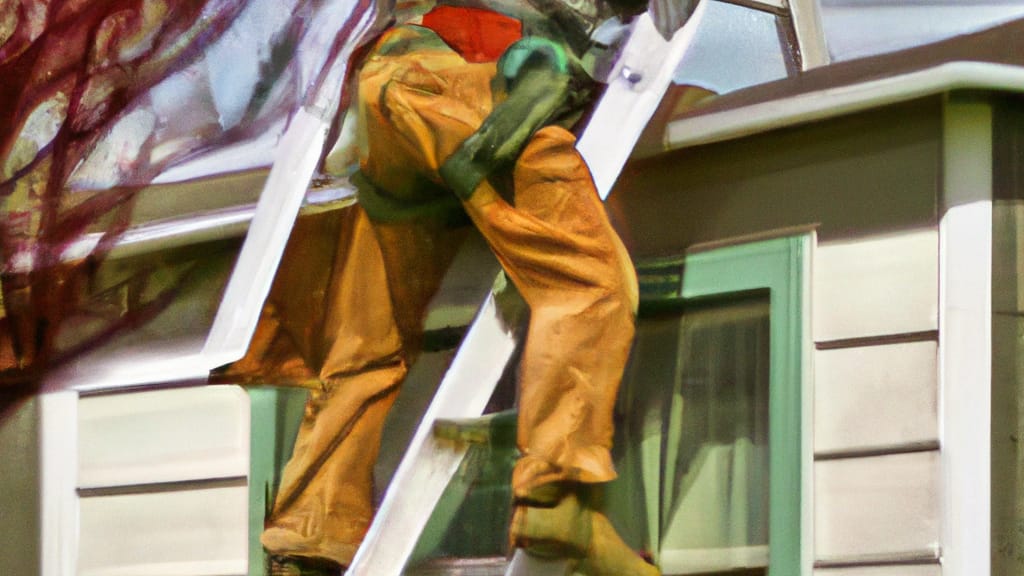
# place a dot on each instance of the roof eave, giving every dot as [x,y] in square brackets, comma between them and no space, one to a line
[817,105]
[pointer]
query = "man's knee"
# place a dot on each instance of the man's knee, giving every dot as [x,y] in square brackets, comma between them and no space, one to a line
[550,154]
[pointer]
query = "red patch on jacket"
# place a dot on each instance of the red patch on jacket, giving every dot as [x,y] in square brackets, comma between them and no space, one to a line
[478,35]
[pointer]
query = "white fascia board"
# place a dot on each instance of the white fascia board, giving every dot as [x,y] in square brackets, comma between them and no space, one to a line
[832,102]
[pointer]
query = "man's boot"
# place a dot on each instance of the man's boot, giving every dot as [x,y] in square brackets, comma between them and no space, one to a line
[296,566]
[559,521]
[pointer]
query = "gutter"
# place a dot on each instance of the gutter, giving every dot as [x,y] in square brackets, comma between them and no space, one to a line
[831,102]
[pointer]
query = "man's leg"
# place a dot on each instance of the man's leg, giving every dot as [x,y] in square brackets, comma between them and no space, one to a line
[419,102]
[384,279]
[386,274]
[324,504]
[558,247]
[329,326]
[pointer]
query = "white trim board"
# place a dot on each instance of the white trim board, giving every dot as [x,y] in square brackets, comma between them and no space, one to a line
[965,338]
[196,228]
[831,102]
[58,471]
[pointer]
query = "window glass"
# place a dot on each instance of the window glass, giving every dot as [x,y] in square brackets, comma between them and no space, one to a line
[693,438]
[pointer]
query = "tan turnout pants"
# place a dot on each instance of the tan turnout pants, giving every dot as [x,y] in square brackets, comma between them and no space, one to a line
[418,100]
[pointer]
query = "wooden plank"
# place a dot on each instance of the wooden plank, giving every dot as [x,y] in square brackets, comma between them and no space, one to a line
[876,286]
[166,435]
[200,532]
[874,506]
[58,413]
[875,396]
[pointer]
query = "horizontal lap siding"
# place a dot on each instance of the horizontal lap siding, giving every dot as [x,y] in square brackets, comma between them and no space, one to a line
[877,287]
[877,507]
[201,532]
[163,482]
[169,435]
[877,469]
[874,398]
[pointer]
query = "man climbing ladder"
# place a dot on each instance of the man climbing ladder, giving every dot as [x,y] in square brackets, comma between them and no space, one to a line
[436,132]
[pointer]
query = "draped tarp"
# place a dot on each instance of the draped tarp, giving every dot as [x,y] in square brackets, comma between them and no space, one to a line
[99,98]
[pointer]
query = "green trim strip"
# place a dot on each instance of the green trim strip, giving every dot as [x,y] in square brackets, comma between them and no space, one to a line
[778,266]
[275,415]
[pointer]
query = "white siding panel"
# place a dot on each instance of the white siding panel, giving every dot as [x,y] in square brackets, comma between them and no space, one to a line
[877,286]
[163,436]
[877,506]
[875,396]
[202,532]
[933,570]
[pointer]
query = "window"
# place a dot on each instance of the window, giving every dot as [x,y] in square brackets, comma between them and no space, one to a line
[744,300]
[712,448]
[693,436]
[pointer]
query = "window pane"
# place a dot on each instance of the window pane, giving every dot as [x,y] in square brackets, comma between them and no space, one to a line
[693,440]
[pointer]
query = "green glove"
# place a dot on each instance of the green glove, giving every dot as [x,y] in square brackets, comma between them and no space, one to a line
[537,73]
